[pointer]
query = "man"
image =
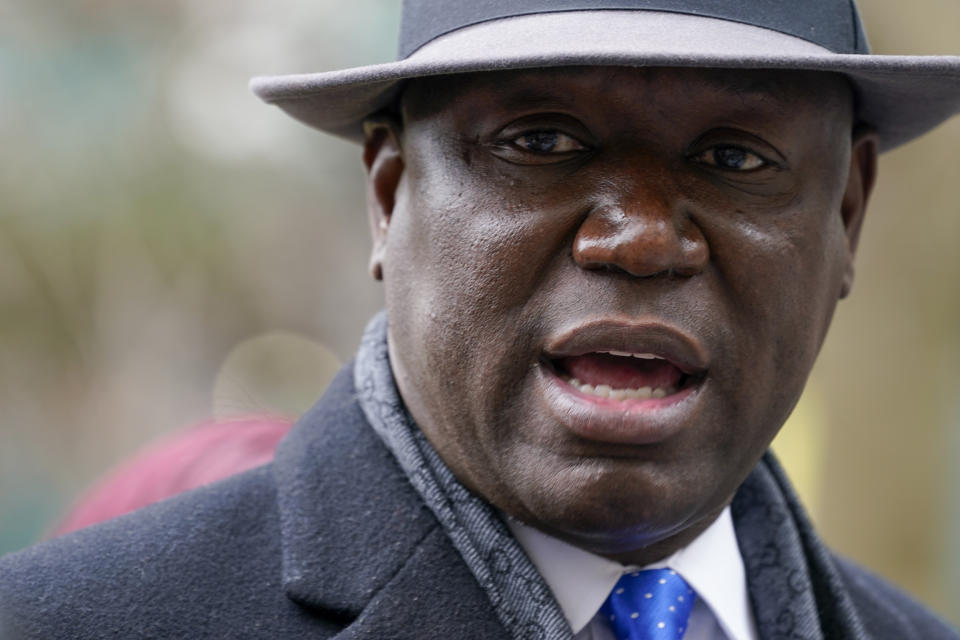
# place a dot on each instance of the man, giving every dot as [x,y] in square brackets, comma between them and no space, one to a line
[612,236]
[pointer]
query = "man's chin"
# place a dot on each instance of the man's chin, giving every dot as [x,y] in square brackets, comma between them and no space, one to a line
[591,509]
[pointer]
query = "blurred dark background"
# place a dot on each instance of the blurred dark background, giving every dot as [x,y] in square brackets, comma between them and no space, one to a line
[171,249]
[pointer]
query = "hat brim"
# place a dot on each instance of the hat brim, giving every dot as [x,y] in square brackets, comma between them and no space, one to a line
[900,97]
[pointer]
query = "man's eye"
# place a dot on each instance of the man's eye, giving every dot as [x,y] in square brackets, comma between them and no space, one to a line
[731,158]
[547,142]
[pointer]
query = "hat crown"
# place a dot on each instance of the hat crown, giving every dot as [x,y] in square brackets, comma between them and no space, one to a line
[832,24]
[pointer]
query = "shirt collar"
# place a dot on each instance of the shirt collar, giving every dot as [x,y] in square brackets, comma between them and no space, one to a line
[581,581]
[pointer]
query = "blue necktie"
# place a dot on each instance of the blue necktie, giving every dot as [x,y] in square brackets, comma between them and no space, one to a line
[649,605]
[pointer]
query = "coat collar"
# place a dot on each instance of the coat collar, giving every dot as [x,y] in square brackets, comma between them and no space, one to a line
[357,541]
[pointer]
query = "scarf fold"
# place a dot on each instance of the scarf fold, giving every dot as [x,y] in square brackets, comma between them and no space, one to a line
[794,587]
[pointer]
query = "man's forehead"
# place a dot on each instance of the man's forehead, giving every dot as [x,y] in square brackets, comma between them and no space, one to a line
[528,86]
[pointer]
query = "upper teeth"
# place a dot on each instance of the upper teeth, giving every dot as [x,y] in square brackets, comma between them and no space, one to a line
[642,356]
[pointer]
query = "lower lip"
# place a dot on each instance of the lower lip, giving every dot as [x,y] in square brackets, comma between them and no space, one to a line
[627,421]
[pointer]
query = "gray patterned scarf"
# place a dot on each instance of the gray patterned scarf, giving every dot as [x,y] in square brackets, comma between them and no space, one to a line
[794,588]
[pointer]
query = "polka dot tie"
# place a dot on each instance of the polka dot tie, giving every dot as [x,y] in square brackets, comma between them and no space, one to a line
[649,605]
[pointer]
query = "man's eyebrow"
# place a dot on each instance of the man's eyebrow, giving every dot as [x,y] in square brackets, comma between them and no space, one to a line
[778,86]
[782,86]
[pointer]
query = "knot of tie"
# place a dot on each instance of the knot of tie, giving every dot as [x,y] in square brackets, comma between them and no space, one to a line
[649,605]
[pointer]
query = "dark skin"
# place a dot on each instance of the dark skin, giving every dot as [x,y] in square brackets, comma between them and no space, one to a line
[513,210]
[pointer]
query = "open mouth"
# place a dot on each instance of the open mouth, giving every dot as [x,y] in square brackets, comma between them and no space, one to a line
[624,376]
[625,380]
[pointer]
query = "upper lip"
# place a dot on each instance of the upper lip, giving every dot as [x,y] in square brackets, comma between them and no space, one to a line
[632,336]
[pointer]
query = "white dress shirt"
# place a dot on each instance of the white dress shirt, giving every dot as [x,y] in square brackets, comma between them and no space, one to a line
[711,565]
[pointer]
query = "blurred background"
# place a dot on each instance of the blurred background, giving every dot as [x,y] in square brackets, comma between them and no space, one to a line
[171,250]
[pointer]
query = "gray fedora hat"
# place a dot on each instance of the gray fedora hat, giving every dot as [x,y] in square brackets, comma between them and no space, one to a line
[901,97]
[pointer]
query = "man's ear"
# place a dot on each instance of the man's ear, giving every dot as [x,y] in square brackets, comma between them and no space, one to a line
[383,158]
[860,180]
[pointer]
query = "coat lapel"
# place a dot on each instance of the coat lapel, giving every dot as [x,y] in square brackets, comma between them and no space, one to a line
[358,543]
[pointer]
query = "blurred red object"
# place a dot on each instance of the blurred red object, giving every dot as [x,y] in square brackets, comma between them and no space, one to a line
[190,458]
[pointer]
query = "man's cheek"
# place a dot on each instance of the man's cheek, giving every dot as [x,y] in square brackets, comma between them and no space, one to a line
[498,263]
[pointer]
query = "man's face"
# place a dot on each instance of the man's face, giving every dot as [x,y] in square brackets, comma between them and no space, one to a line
[607,286]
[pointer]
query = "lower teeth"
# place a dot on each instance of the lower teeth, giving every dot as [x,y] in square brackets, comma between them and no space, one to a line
[605,391]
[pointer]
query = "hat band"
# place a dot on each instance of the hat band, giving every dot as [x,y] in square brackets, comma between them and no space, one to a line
[832,24]
[636,37]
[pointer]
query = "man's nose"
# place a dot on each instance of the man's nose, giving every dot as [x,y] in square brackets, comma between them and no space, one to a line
[644,227]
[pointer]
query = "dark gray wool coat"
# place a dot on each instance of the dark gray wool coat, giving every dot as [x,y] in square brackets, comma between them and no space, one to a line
[329,541]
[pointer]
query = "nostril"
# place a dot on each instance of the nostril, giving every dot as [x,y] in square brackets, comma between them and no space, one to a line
[640,243]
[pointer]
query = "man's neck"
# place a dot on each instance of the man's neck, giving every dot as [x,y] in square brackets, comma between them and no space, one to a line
[641,555]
